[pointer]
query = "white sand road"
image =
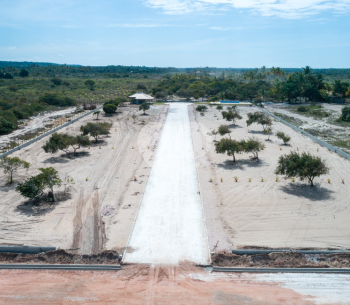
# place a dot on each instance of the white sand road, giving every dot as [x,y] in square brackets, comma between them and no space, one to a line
[170,227]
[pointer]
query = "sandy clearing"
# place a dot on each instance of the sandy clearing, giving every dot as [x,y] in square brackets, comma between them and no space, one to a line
[270,213]
[169,225]
[82,222]
[34,123]
[183,284]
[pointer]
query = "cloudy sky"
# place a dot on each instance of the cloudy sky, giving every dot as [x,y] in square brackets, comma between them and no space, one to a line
[178,33]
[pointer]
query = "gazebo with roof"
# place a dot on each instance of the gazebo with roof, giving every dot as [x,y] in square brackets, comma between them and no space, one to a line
[140,97]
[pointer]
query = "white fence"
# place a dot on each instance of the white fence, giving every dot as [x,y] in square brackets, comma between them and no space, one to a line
[46,134]
[322,143]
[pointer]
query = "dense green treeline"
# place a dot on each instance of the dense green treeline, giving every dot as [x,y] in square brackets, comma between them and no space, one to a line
[260,85]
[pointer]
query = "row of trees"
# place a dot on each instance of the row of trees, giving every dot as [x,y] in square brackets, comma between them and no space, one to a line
[260,85]
[66,142]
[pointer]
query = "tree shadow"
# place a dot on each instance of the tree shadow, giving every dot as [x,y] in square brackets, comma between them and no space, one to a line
[315,193]
[234,126]
[241,164]
[256,131]
[41,206]
[65,158]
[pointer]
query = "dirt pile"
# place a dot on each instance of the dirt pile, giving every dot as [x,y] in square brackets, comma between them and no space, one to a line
[61,257]
[281,260]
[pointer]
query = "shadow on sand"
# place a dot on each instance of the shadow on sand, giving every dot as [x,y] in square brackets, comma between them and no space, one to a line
[65,158]
[241,164]
[314,193]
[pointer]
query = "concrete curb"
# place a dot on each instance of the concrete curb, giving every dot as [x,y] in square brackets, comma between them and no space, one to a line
[256,252]
[282,270]
[61,267]
[46,134]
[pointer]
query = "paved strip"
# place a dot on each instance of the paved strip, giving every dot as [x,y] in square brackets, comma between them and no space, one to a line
[61,267]
[282,270]
[169,227]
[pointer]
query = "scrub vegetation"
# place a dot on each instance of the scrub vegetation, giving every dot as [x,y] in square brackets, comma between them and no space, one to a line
[27,89]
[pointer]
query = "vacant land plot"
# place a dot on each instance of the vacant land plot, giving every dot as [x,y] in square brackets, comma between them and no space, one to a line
[326,128]
[109,180]
[268,213]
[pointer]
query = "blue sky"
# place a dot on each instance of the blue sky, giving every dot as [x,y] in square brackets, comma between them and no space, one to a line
[177,33]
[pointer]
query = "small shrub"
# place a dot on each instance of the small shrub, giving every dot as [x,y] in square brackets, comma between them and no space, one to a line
[281,135]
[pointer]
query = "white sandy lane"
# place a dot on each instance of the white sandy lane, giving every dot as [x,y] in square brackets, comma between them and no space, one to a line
[169,227]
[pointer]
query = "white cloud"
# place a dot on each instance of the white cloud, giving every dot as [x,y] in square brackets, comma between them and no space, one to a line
[281,8]
[12,48]
[60,55]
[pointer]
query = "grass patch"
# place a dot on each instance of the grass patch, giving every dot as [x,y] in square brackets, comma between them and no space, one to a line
[314,111]
[289,119]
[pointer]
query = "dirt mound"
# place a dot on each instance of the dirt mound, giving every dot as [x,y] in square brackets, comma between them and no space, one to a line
[281,260]
[62,257]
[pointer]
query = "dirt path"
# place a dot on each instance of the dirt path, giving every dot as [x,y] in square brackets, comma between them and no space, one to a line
[169,226]
[101,210]
[183,284]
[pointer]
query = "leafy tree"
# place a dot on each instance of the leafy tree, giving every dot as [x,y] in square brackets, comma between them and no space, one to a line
[231,115]
[160,95]
[345,114]
[302,166]
[268,132]
[219,107]
[134,117]
[8,123]
[57,100]
[90,83]
[56,81]
[229,146]
[201,108]
[96,129]
[223,129]
[141,87]
[144,106]
[61,141]
[109,108]
[8,76]
[10,165]
[185,93]
[252,145]
[340,88]
[31,188]
[259,118]
[97,113]
[281,135]
[24,73]
[34,187]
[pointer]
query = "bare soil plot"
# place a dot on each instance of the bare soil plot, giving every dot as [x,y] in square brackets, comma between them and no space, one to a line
[102,208]
[326,129]
[183,284]
[269,213]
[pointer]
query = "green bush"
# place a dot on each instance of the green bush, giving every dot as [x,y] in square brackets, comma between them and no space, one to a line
[302,109]
[109,108]
[57,100]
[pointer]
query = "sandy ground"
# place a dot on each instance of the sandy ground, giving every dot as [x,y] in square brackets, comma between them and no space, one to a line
[169,226]
[328,132]
[182,284]
[269,213]
[34,123]
[101,210]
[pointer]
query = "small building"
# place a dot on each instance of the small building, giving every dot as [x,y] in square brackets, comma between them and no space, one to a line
[140,97]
